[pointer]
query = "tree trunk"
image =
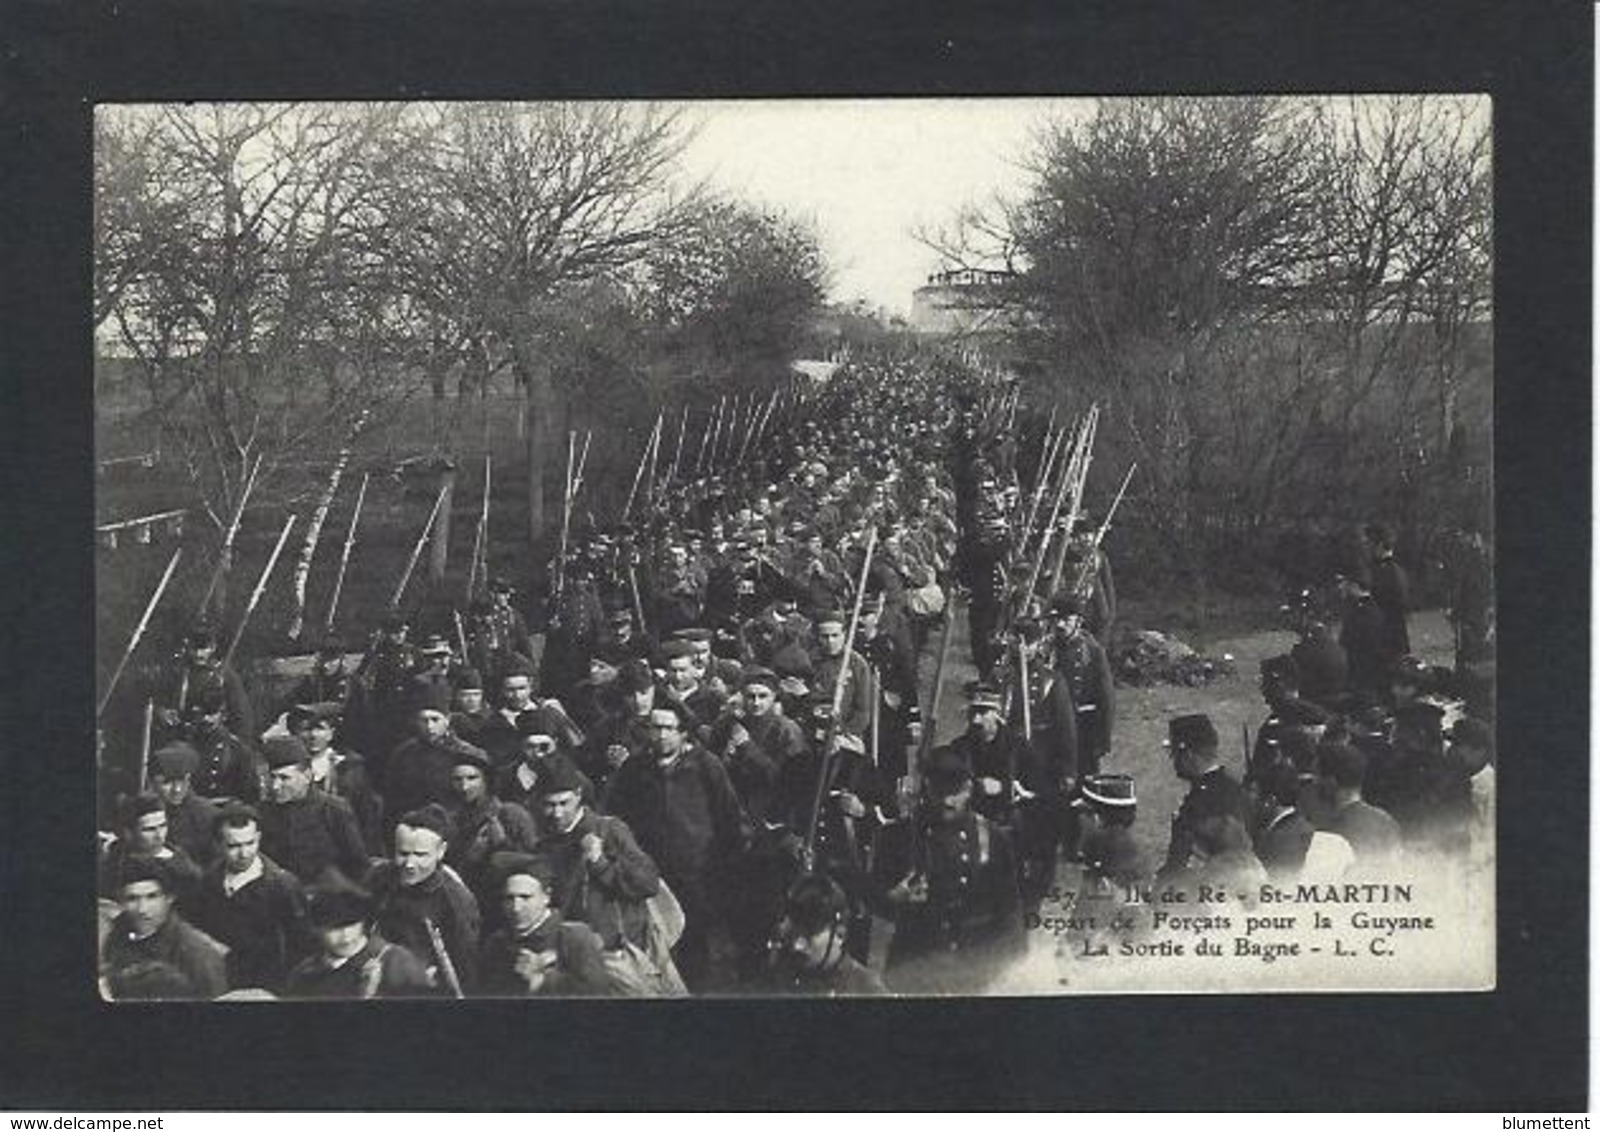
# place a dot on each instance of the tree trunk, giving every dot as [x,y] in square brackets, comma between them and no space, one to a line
[302,569]
[439,550]
[538,421]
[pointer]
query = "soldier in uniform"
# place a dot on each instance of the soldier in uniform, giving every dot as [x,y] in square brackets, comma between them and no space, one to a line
[956,907]
[1081,664]
[982,569]
[353,960]
[189,816]
[1319,659]
[1213,791]
[375,716]
[419,769]
[329,678]
[809,948]
[1361,635]
[1391,591]
[229,766]
[201,671]
[303,829]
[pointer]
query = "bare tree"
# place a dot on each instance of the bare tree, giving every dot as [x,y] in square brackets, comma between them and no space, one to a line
[252,283]
[523,202]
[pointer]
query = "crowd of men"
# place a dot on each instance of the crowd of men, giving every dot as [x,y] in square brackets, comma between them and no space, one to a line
[712,768]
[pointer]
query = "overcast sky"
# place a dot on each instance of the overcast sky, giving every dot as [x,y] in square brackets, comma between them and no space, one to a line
[867,172]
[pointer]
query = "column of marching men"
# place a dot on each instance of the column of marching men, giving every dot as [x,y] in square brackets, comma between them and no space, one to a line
[713,770]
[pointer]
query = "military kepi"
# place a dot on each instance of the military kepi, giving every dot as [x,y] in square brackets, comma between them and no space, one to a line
[1191,733]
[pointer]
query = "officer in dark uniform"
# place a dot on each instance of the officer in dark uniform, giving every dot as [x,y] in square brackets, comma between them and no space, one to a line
[1319,659]
[1391,591]
[229,766]
[189,816]
[1361,635]
[1081,664]
[982,568]
[1213,791]
[955,902]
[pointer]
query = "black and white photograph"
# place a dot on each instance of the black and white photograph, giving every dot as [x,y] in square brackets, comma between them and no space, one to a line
[852,547]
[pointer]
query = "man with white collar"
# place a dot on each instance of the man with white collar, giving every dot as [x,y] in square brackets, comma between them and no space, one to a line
[250,904]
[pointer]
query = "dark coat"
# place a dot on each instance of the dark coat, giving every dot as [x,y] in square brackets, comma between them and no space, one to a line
[1323,667]
[973,905]
[419,773]
[176,943]
[262,924]
[404,910]
[1213,795]
[189,827]
[1361,635]
[353,783]
[610,895]
[379,970]
[1391,593]
[309,835]
[1081,662]
[686,816]
[229,767]
[570,951]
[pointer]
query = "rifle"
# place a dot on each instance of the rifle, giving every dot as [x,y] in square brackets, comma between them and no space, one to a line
[700,457]
[144,743]
[914,771]
[655,451]
[416,551]
[480,541]
[638,474]
[261,585]
[809,846]
[447,968]
[566,517]
[138,631]
[677,452]
[1088,562]
[716,434]
[461,635]
[344,557]
[226,552]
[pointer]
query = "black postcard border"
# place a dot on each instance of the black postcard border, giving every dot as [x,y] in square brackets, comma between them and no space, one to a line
[1521,1047]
